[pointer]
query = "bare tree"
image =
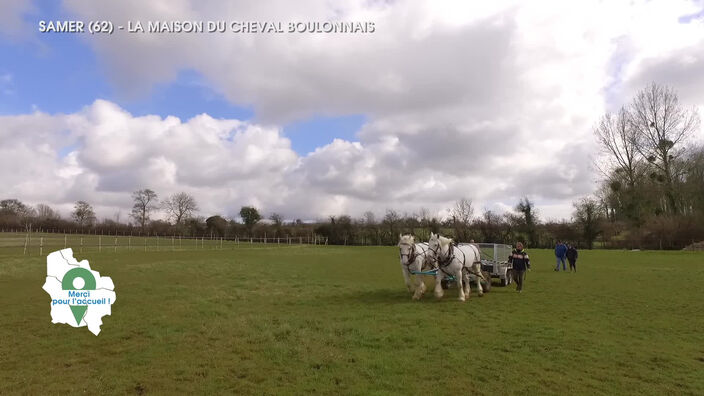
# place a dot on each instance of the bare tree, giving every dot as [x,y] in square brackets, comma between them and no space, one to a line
[463,211]
[461,217]
[83,213]
[46,212]
[662,125]
[179,207]
[617,138]
[145,202]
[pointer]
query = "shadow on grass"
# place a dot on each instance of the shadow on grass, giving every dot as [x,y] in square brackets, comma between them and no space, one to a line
[395,296]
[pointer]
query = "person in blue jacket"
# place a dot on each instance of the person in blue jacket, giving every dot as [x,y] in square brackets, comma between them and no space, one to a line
[520,264]
[561,255]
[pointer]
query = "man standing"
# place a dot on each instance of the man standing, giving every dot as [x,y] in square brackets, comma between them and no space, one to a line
[572,257]
[560,252]
[521,262]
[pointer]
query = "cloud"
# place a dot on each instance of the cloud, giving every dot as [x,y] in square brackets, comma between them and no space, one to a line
[490,101]
[228,163]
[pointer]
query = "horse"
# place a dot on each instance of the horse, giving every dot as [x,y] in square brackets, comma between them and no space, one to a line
[414,259]
[456,261]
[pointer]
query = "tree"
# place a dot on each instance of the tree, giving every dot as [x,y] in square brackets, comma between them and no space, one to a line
[144,203]
[617,138]
[278,222]
[392,220]
[180,206]
[490,226]
[45,212]
[17,212]
[461,217]
[529,220]
[216,225]
[662,125]
[83,214]
[587,215]
[14,207]
[250,216]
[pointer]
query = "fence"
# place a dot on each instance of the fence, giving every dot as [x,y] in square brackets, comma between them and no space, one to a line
[31,243]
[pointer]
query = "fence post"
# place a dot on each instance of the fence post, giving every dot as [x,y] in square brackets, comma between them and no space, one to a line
[220,243]
[100,243]
[64,241]
[129,242]
[202,242]
[26,240]
[81,244]
[145,243]
[173,245]
[41,246]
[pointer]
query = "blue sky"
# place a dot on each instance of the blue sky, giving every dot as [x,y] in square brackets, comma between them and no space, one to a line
[59,73]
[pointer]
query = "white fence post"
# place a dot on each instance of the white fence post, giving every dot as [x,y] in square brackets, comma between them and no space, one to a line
[100,243]
[64,241]
[41,246]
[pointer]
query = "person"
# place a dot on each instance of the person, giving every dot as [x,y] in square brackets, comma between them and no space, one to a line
[572,257]
[560,251]
[520,263]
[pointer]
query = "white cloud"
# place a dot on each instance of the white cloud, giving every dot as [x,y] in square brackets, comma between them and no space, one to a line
[488,100]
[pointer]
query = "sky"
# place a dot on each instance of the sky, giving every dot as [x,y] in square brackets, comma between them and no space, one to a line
[489,101]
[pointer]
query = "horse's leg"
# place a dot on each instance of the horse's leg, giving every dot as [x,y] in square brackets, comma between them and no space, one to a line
[460,284]
[467,285]
[478,270]
[420,287]
[407,279]
[438,284]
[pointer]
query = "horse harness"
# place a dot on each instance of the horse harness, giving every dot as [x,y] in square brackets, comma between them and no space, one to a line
[412,255]
[442,264]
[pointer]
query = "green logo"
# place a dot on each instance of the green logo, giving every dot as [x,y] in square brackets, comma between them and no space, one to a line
[78,279]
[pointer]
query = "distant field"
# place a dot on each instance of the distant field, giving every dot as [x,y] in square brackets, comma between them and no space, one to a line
[337,320]
[14,243]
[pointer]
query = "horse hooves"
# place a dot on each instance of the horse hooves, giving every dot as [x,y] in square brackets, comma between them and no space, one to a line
[481,294]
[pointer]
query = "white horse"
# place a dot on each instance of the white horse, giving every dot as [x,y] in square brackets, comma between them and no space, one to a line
[414,259]
[456,261]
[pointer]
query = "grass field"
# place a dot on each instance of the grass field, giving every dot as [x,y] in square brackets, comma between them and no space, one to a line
[337,320]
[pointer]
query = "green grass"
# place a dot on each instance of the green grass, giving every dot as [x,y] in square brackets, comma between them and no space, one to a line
[337,320]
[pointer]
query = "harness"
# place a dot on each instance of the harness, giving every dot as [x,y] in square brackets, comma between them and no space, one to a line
[412,255]
[444,263]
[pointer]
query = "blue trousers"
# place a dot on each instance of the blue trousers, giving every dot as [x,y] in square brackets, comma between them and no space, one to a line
[564,264]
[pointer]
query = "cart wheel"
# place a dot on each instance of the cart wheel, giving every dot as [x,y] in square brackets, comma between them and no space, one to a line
[486,286]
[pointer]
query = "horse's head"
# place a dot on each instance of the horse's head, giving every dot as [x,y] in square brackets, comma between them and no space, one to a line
[438,246]
[433,247]
[406,246]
